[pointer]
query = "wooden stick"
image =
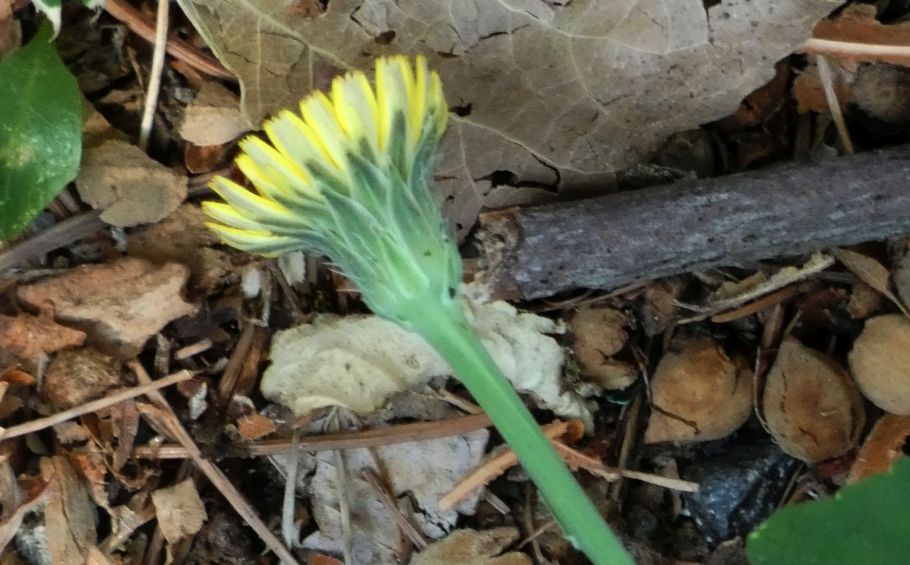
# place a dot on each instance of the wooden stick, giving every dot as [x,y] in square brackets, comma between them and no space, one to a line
[401,433]
[93,406]
[618,239]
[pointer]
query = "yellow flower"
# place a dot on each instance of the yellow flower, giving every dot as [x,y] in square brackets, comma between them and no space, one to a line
[348,178]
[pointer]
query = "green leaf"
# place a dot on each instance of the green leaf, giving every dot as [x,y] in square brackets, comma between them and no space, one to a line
[40,131]
[863,523]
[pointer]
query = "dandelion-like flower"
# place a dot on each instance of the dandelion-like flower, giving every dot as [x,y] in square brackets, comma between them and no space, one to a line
[348,178]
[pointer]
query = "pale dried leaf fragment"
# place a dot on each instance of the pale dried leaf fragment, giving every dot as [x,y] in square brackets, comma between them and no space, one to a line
[870,272]
[127,185]
[472,547]
[69,516]
[359,361]
[179,510]
[16,507]
[420,471]
[880,362]
[811,405]
[120,304]
[77,376]
[698,393]
[552,92]
[213,117]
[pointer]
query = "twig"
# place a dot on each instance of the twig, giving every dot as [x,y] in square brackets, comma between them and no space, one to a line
[288,527]
[214,474]
[756,306]
[54,237]
[867,52]
[193,349]
[93,406]
[781,279]
[344,509]
[402,433]
[176,47]
[576,459]
[154,86]
[824,74]
[493,468]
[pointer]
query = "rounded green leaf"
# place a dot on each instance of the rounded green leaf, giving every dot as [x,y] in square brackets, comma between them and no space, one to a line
[40,131]
[863,523]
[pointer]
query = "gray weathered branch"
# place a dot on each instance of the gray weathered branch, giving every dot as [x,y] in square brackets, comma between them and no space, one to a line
[619,239]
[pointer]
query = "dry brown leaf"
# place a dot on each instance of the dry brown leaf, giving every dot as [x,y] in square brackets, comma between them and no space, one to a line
[857,24]
[76,376]
[879,362]
[15,511]
[698,393]
[864,301]
[255,426]
[473,547]
[882,447]
[180,511]
[554,92]
[811,405]
[810,94]
[69,516]
[213,117]
[120,304]
[870,272]
[28,337]
[130,187]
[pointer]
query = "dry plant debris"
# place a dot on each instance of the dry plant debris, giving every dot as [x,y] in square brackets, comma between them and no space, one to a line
[548,99]
[417,474]
[811,405]
[182,237]
[213,117]
[119,304]
[127,185]
[699,393]
[879,362]
[599,334]
[29,337]
[179,510]
[359,361]
[76,376]
[473,547]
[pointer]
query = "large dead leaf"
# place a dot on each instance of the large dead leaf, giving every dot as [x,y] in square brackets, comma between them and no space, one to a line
[560,93]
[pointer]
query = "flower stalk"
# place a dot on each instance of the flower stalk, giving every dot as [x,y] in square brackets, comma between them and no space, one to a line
[349,178]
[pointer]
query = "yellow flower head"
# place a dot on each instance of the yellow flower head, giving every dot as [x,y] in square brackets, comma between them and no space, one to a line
[348,178]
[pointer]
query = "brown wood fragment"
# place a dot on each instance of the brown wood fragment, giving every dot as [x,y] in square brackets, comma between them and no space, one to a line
[618,239]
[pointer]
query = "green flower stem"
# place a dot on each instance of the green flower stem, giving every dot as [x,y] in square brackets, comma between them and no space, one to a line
[446,329]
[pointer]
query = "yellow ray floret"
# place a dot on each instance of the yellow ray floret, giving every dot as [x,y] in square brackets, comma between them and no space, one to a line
[328,147]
